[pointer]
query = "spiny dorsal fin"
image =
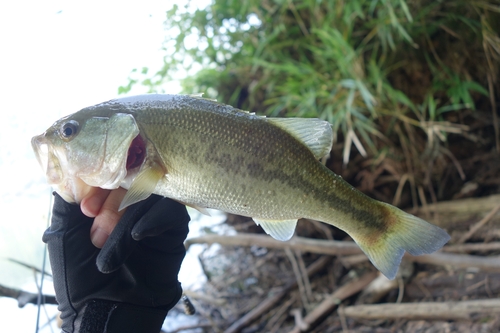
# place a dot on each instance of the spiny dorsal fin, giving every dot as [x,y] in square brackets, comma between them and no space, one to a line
[278,229]
[200,96]
[315,133]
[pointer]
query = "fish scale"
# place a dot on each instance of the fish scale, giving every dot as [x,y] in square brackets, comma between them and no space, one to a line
[200,161]
[210,155]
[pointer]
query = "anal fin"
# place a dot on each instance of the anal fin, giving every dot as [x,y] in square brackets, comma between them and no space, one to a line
[278,229]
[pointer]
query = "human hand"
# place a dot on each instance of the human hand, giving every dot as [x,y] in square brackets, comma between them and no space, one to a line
[103,205]
[143,255]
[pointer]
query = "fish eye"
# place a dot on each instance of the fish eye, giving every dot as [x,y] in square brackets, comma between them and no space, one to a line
[69,129]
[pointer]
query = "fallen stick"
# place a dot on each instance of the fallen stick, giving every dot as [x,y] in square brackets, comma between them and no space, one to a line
[299,320]
[351,261]
[205,298]
[188,328]
[478,225]
[321,246]
[463,310]
[25,297]
[457,214]
[268,303]
[336,298]
[472,247]
[381,285]
[33,268]
[491,263]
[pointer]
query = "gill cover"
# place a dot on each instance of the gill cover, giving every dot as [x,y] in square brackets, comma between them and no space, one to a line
[116,133]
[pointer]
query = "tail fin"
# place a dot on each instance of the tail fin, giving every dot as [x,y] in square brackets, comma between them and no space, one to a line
[409,233]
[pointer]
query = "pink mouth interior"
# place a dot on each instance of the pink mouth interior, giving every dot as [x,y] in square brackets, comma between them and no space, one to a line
[136,153]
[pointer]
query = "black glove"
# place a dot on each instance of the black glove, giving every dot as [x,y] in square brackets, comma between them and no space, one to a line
[141,258]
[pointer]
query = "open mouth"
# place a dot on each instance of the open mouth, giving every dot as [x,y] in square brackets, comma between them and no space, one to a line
[47,159]
[41,150]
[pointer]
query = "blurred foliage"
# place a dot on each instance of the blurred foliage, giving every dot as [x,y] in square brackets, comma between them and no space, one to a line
[386,73]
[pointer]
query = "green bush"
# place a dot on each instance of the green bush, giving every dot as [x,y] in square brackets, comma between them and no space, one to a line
[386,73]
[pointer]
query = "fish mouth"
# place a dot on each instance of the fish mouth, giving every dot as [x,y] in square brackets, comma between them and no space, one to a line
[47,159]
[40,147]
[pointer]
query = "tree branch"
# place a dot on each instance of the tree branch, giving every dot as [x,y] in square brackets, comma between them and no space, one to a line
[296,243]
[321,246]
[24,297]
[463,310]
[268,303]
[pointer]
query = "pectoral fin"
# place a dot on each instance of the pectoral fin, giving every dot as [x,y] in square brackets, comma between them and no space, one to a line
[278,229]
[143,185]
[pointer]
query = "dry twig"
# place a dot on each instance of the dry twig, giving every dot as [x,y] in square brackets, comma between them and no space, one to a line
[272,300]
[478,225]
[472,247]
[296,243]
[463,310]
[298,277]
[299,320]
[190,328]
[455,214]
[338,296]
[321,246]
[24,297]
[491,263]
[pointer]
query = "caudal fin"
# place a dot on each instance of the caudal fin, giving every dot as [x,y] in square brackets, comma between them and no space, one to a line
[409,233]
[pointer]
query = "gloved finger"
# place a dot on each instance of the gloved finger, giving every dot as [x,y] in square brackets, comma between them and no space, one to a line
[120,244]
[67,219]
[166,214]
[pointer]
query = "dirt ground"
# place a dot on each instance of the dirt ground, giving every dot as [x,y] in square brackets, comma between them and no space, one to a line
[258,288]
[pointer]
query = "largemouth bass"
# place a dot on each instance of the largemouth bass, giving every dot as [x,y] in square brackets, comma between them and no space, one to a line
[210,155]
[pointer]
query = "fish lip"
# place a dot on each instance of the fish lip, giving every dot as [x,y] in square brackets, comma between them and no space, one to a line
[47,158]
[37,142]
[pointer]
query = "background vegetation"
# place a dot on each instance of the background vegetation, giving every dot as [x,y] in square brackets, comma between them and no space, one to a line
[411,89]
[410,86]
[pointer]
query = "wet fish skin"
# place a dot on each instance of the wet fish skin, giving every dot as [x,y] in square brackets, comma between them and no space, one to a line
[209,155]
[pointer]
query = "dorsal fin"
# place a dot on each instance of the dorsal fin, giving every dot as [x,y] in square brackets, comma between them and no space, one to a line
[315,133]
[200,96]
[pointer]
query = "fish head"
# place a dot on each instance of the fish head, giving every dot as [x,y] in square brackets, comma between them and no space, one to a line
[86,149]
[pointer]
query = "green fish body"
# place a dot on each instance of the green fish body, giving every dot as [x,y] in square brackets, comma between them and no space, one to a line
[209,155]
